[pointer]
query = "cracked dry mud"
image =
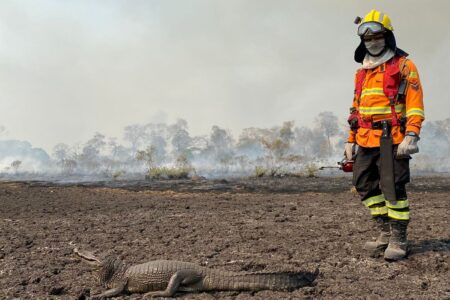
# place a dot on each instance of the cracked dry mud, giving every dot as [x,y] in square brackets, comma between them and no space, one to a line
[238,225]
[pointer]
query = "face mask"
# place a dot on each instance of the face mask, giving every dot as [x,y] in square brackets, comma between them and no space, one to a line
[375,47]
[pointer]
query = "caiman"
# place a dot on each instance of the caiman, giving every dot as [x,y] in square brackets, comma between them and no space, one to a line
[164,278]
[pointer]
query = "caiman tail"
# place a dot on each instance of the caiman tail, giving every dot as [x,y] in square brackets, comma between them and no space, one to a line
[258,281]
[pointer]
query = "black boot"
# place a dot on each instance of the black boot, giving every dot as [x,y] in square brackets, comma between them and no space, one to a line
[398,244]
[375,248]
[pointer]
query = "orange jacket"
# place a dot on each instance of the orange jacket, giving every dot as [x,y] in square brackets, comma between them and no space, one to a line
[374,106]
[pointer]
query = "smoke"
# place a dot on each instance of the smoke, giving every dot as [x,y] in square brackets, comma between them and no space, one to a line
[158,147]
[160,150]
[434,145]
[70,68]
[20,157]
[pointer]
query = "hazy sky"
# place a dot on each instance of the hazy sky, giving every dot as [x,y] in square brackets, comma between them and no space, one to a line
[69,69]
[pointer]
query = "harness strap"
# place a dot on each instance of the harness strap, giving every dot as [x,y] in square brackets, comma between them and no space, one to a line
[393,74]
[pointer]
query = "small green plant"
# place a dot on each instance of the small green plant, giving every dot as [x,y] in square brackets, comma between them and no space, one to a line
[311,170]
[115,175]
[260,171]
[168,173]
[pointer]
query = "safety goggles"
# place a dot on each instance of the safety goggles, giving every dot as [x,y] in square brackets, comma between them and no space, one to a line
[372,27]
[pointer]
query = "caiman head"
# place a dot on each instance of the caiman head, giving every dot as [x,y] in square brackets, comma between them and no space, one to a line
[107,269]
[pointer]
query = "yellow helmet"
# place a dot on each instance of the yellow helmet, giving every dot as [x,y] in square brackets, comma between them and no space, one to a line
[375,22]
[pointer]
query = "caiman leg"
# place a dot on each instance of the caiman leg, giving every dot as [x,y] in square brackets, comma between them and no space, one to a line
[185,277]
[110,293]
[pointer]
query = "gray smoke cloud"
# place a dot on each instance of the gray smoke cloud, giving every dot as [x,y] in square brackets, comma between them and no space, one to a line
[71,68]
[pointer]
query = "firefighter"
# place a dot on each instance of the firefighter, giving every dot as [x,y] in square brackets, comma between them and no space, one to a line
[385,122]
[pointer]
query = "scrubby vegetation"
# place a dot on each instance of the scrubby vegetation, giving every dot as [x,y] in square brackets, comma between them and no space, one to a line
[169,151]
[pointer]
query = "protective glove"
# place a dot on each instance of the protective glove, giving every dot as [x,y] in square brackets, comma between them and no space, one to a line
[348,150]
[408,146]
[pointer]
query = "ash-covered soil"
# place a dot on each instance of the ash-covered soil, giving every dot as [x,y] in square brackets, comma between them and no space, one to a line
[282,224]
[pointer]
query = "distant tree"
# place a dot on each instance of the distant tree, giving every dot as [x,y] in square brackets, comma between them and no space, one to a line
[15,165]
[287,132]
[180,138]
[181,142]
[220,138]
[278,140]
[119,152]
[90,157]
[97,142]
[65,158]
[250,142]
[180,124]
[147,156]
[61,151]
[328,123]
[199,145]
[221,144]
[303,142]
[135,134]
[156,136]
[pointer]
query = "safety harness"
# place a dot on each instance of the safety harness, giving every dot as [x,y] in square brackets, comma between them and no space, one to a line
[394,87]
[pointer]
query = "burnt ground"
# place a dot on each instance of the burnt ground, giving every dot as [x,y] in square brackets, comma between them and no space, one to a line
[281,224]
